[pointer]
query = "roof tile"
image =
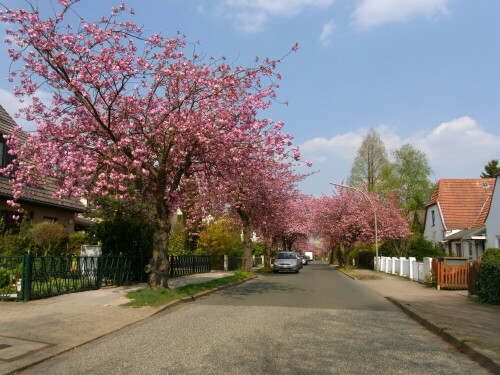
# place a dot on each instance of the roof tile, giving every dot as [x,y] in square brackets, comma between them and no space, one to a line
[464,203]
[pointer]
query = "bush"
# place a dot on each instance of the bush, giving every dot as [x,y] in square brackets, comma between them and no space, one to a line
[75,242]
[488,282]
[49,237]
[491,254]
[12,244]
[421,248]
[365,259]
[218,238]
[130,235]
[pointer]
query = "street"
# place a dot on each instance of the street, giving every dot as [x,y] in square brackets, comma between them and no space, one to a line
[316,322]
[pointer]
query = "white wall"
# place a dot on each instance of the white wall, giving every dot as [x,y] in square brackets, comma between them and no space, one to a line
[433,233]
[493,219]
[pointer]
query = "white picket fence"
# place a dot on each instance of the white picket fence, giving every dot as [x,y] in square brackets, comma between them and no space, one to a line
[405,267]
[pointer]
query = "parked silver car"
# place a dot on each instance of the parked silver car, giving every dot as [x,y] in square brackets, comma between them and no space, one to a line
[286,261]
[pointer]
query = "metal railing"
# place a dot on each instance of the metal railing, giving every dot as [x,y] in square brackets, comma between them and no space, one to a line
[30,277]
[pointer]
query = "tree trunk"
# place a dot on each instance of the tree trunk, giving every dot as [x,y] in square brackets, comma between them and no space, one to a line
[267,253]
[332,255]
[247,241]
[158,265]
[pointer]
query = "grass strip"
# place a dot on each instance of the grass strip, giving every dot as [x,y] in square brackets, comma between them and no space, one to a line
[155,298]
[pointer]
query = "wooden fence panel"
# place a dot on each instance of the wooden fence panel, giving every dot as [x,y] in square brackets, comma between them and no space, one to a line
[452,277]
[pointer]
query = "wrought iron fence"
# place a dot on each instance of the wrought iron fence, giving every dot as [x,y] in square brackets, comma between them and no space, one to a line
[30,277]
[181,265]
[121,270]
[51,276]
[234,263]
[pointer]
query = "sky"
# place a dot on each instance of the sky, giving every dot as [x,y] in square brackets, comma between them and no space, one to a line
[424,72]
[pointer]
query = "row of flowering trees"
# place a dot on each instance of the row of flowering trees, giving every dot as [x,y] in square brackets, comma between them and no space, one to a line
[344,219]
[133,117]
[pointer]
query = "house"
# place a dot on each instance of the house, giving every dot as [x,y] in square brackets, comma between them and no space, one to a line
[492,222]
[456,213]
[37,203]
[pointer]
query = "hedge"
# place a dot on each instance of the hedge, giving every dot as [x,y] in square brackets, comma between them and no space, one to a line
[488,281]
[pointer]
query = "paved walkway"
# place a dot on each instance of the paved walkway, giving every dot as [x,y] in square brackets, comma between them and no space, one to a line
[472,327]
[33,331]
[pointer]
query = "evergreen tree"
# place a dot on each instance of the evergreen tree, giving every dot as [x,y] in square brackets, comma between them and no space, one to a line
[491,169]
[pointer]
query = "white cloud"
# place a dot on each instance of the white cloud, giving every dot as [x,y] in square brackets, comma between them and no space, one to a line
[373,13]
[12,105]
[459,148]
[326,34]
[252,15]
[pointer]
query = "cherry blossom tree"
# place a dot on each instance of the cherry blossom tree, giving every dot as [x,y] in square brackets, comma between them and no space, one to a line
[255,195]
[345,218]
[131,116]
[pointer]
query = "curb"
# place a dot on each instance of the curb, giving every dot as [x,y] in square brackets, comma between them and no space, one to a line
[485,358]
[204,294]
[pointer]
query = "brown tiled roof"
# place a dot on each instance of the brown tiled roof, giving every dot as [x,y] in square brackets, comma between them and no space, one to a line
[6,122]
[464,203]
[40,195]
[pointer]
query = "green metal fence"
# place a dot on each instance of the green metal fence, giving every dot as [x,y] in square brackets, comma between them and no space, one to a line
[30,277]
[181,265]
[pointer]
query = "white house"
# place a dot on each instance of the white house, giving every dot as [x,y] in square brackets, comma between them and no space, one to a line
[492,222]
[455,215]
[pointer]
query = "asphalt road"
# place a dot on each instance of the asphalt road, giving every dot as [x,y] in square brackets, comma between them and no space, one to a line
[316,322]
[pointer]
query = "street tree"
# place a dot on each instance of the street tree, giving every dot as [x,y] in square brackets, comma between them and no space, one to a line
[409,177]
[131,115]
[344,219]
[370,164]
[491,169]
[255,190]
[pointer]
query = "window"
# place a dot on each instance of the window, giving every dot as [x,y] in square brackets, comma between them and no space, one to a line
[458,249]
[470,249]
[433,218]
[3,153]
[50,219]
[9,222]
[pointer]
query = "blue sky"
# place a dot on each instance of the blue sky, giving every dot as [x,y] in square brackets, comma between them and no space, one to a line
[424,72]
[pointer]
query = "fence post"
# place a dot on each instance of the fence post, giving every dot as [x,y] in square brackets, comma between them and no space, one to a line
[99,272]
[26,282]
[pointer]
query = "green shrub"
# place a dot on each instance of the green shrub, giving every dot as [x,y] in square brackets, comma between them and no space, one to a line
[12,244]
[365,259]
[130,235]
[75,242]
[49,238]
[421,248]
[488,282]
[491,254]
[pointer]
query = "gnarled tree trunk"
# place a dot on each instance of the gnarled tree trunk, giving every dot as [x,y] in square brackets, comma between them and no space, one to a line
[158,267]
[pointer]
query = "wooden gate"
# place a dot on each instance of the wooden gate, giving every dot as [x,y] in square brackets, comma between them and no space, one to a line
[451,277]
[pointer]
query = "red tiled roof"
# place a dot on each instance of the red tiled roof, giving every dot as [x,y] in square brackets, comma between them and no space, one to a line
[464,203]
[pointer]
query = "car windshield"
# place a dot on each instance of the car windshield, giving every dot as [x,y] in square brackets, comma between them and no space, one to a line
[286,256]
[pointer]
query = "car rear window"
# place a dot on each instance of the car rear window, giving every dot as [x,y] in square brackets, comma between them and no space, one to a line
[286,256]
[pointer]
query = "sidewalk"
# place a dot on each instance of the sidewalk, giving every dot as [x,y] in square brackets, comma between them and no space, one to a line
[471,327]
[33,331]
